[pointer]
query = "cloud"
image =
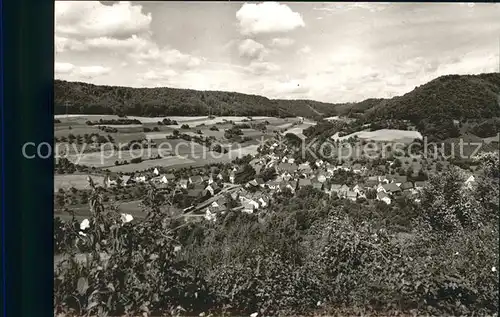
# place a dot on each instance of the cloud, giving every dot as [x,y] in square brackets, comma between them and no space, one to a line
[251,49]
[165,56]
[282,41]
[262,68]
[267,17]
[92,19]
[348,6]
[92,71]
[75,72]
[305,50]
[63,68]
[86,25]
[155,75]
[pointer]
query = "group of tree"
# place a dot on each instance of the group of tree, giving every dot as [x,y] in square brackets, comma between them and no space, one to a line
[167,121]
[154,129]
[119,121]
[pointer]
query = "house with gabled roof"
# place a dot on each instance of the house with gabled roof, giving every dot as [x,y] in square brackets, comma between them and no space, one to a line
[252,183]
[351,195]
[140,178]
[249,205]
[406,186]
[321,177]
[358,189]
[287,167]
[167,178]
[419,185]
[318,163]
[210,179]
[112,179]
[212,188]
[285,176]
[183,183]
[291,185]
[304,168]
[391,188]
[344,188]
[156,171]
[470,181]
[358,168]
[371,183]
[272,184]
[335,188]
[127,180]
[382,196]
[381,168]
[210,216]
[400,179]
[263,201]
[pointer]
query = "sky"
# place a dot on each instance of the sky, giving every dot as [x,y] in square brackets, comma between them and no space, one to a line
[331,52]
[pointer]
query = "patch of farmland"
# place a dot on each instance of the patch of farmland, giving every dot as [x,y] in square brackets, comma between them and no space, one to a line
[382,135]
[216,134]
[166,161]
[157,135]
[108,157]
[251,133]
[127,137]
[75,130]
[251,149]
[78,181]
[123,126]
[495,138]
[285,125]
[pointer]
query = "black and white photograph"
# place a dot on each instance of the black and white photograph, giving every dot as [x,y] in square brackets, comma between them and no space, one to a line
[275,158]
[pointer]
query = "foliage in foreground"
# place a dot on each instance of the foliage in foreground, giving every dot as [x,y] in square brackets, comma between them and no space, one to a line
[310,254]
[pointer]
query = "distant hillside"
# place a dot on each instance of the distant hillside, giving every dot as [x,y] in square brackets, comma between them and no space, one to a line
[444,98]
[447,97]
[93,99]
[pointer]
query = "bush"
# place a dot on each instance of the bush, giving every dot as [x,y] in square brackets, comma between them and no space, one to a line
[136,160]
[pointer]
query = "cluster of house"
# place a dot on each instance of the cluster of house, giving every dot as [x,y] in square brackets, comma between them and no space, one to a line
[256,194]
[293,177]
[248,202]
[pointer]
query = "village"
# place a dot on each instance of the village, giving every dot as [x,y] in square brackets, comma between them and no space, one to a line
[251,183]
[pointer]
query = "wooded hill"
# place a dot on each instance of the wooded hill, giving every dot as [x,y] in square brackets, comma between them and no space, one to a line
[447,97]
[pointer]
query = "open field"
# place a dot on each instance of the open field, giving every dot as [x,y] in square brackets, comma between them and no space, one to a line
[122,137]
[167,161]
[157,135]
[382,135]
[108,157]
[65,131]
[78,181]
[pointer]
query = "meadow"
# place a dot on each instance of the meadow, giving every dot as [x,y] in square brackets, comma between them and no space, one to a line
[78,181]
[382,135]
